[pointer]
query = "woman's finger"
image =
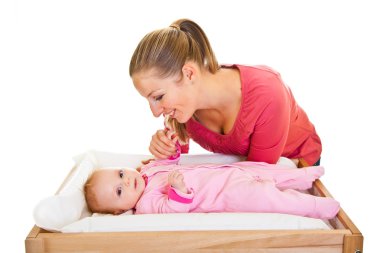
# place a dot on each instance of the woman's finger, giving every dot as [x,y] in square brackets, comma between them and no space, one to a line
[159,143]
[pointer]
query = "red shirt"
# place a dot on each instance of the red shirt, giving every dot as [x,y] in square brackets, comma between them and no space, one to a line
[269,124]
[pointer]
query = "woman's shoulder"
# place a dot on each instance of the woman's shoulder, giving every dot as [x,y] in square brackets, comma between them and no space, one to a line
[258,80]
[261,86]
[257,70]
[257,76]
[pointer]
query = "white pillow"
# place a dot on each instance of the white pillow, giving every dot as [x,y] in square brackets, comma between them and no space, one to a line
[68,206]
[55,212]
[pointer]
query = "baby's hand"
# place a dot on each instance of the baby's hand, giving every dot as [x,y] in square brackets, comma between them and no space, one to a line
[175,179]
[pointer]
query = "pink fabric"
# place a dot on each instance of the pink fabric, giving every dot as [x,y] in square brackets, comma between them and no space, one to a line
[178,196]
[237,187]
[145,179]
[269,124]
[178,152]
[185,148]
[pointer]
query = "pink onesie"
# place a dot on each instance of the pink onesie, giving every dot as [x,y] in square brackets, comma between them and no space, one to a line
[238,187]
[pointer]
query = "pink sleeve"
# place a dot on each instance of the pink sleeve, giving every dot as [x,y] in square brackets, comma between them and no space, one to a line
[178,196]
[173,202]
[271,130]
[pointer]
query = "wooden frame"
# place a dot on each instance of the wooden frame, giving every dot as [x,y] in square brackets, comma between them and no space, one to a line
[345,237]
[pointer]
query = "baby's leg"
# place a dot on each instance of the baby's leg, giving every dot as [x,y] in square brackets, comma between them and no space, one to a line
[265,197]
[289,178]
[303,178]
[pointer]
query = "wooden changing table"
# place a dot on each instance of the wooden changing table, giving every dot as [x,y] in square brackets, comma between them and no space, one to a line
[345,237]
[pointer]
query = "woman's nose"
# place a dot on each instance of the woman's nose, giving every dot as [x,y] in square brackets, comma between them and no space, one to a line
[156,109]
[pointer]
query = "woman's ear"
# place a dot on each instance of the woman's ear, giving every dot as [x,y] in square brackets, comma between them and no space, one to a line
[189,70]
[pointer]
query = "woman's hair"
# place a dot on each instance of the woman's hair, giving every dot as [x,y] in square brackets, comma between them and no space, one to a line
[167,50]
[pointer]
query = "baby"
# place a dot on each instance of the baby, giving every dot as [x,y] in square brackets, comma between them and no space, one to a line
[165,187]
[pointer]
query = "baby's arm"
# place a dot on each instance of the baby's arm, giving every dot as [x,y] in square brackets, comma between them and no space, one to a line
[177,200]
[175,179]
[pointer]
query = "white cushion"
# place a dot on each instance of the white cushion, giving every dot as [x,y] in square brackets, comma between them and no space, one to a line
[193,222]
[55,212]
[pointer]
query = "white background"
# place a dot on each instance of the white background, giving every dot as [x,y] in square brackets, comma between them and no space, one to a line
[65,88]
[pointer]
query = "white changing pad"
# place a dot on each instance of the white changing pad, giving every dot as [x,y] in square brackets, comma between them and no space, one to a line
[193,222]
[67,211]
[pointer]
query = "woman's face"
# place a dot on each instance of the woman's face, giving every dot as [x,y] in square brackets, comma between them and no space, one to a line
[171,96]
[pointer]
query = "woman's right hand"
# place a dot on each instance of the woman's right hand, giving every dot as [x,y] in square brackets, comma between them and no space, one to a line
[163,145]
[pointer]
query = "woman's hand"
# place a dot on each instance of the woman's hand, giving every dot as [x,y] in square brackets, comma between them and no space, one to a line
[176,180]
[162,144]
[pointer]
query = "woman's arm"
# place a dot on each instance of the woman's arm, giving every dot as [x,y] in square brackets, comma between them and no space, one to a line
[272,127]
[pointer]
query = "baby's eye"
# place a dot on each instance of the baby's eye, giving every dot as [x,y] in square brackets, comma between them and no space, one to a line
[158,98]
[119,191]
[121,173]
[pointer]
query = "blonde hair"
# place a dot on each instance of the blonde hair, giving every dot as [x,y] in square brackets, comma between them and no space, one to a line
[91,198]
[167,50]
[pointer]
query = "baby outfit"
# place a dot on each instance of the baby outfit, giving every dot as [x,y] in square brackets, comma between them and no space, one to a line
[238,187]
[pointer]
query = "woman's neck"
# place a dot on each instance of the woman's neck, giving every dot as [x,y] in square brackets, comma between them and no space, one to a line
[219,99]
[218,91]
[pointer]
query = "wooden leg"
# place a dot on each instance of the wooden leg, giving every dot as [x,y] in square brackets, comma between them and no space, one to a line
[353,243]
[32,243]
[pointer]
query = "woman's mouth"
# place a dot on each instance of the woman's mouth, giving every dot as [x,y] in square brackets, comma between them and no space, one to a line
[171,114]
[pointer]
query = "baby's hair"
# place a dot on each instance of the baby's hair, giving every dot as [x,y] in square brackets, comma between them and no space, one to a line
[167,50]
[90,196]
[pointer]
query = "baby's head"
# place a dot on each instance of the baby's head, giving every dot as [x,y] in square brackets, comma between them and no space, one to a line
[113,191]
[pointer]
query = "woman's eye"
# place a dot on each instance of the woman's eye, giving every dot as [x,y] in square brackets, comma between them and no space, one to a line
[118,191]
[158,98]
[121,174]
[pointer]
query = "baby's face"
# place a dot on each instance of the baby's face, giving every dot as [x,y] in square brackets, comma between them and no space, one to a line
[118,190]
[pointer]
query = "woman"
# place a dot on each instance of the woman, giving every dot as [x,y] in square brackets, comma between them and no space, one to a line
[234,109]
